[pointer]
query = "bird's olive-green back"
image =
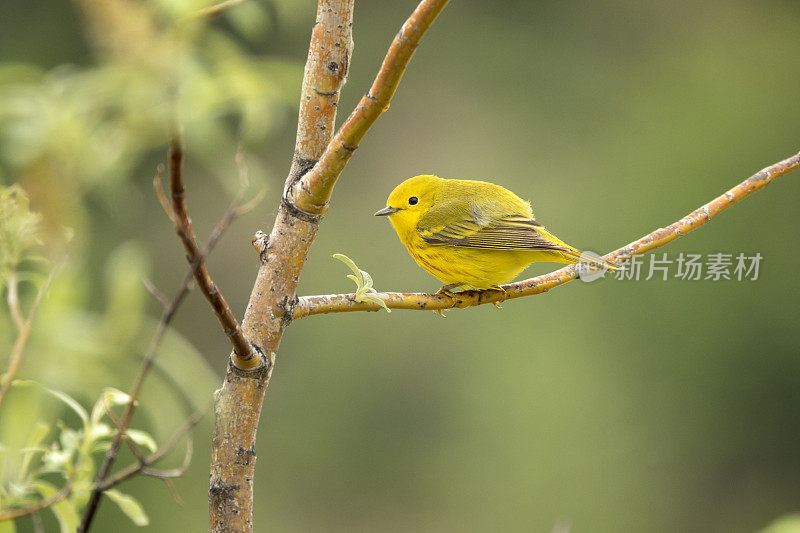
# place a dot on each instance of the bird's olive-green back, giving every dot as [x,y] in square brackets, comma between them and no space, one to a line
[479,201]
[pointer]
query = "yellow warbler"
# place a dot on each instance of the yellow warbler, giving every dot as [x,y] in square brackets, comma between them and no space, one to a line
[473,234]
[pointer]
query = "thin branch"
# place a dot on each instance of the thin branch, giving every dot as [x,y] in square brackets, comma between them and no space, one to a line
[155,293]
[173,491]
[244,355]
[153,458]
[11,514]
[342,303]
[314,192]
[25,332]
[167,315]
[173,472]
[121,430]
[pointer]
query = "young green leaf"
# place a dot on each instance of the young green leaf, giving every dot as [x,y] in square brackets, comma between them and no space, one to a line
[130,506]
[142,438]
[71,402]
[364,289]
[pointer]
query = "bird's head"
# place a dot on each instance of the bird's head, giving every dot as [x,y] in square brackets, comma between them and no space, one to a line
[411,198]
[409,201]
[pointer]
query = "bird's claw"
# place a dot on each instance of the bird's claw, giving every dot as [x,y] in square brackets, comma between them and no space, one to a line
[503,299]
[445,290]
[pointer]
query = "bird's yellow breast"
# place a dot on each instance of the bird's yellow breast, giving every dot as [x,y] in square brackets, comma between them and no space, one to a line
[468,268]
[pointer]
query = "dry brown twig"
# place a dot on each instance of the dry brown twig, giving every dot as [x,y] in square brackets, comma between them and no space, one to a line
[243,352]
[343,303]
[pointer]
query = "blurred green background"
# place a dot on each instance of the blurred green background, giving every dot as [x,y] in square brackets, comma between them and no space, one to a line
[613,406]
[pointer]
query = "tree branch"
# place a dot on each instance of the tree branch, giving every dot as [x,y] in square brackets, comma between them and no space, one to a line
[342,303]
[243,352]
[156,456]
[314,192]
[283,253]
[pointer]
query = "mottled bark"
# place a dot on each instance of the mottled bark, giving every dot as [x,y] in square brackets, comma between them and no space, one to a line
[238,402]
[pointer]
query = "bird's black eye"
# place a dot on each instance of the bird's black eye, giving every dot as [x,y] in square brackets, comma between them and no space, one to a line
[413,200]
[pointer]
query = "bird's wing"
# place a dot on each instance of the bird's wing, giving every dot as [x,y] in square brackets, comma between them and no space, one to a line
[472,230]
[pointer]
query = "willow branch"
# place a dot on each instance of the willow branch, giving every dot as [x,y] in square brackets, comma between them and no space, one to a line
[11,514]
[314,192]
[243,352]
[167,315]
[342,303]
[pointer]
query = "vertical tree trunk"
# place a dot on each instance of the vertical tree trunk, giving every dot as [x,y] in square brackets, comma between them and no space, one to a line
[238,402]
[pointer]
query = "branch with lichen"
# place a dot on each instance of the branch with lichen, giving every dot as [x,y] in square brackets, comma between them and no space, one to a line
[343,303]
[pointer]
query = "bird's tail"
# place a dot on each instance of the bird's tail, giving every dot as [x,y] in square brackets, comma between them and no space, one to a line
[574,256]
[593,261]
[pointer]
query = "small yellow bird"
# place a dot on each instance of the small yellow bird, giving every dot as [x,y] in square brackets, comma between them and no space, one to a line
[473,234]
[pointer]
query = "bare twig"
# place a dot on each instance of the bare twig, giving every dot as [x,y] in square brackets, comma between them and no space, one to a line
[342,303]
[155,292]
[121,430]
[173,472]
[173,491]
[153,458]
[314,191]
[244,356]
[11,514]
[167,315]
[25,330]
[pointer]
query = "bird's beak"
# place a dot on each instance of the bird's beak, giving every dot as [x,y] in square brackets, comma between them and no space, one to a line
[386,211]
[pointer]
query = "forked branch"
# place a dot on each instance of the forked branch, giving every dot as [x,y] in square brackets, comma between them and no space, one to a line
[318,160]
[315,188]
[342,303]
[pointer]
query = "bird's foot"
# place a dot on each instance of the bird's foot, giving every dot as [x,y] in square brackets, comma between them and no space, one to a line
[446,290]
[502,290]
